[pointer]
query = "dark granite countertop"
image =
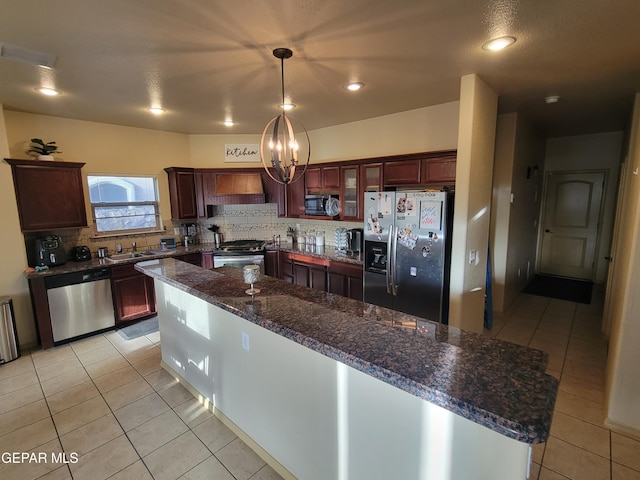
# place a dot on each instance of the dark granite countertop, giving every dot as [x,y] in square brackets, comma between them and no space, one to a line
[327,252]
[500,385]
[71,266]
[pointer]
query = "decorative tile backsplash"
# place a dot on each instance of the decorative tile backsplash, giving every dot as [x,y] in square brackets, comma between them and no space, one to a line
[236,222]
[239,222]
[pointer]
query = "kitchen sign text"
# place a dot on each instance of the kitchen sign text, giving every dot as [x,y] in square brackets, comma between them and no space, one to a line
[242,152]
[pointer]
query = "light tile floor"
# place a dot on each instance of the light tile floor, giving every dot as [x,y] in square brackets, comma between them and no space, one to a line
[107,400]
[580,446]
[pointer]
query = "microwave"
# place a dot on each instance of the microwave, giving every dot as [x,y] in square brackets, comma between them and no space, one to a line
[320,205]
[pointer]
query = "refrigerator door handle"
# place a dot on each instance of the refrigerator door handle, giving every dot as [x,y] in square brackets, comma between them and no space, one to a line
[394,273]
[389,265]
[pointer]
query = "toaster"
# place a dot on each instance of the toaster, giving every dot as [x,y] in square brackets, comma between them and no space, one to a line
[81,253]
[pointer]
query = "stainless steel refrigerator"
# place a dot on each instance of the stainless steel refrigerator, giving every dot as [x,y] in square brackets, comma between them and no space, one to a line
[407,251]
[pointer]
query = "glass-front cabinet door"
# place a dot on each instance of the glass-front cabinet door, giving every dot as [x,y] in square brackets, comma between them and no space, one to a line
[370,181]
[349,197]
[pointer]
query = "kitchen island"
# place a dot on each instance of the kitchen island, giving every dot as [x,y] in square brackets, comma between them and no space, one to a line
[329,387]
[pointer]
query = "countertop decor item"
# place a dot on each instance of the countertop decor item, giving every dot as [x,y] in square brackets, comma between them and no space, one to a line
[43,150]
[280,144]
[251,274]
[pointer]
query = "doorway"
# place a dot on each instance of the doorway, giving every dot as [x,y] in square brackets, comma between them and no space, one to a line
[570,221]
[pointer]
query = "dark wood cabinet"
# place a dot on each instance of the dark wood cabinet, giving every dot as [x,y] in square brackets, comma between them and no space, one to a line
[271,263]
[303,270]
[322,179]
[207,260]
[345,279]
[399,173]
[133,293]
[192,190]
[285,266]
[50,195]
[182,193]
[294,197]
[350,197]
[439,171]
[192,258]
[331,276]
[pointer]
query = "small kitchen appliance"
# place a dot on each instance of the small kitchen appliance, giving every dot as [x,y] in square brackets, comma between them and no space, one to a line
[321,205]
[49,251]
[81,253]
[354,239]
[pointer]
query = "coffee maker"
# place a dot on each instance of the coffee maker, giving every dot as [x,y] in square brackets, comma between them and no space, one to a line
[189,232]
[355,237]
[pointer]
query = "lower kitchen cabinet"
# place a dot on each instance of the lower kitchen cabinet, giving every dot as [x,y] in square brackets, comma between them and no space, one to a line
[323,274]
[303,270]
[206,260]
[194,258]
[133,293]
[345,279]
[271,263]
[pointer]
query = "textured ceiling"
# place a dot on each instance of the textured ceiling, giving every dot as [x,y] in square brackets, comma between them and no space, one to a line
[207,60]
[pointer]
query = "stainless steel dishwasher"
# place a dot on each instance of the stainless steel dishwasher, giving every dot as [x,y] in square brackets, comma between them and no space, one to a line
[80,303]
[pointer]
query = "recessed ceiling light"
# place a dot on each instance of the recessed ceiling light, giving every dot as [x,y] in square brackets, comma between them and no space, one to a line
[287,106]
[228,123]
[552,99]
[354,86]
[50,92]
[499,43]
[157,110]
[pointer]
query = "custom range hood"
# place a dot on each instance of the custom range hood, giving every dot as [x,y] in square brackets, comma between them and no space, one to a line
[237,188]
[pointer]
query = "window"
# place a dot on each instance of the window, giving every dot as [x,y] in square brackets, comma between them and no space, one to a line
[122,204]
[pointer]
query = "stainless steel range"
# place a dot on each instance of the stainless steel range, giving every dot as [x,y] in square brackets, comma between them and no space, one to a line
[238,253]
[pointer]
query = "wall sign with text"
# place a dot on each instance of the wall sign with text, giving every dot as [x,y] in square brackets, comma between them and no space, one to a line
[242,152]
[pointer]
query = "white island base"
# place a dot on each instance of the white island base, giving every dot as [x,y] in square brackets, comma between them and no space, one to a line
[311,417]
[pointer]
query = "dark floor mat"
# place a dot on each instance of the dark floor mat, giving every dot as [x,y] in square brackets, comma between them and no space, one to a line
[560,287]
[145,327]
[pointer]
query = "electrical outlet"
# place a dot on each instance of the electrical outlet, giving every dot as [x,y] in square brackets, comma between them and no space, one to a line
[245,341]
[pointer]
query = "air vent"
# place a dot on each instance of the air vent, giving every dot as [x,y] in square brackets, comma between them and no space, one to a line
[24,55]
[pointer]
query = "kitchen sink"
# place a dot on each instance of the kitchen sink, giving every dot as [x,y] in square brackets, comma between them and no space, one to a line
[121,257]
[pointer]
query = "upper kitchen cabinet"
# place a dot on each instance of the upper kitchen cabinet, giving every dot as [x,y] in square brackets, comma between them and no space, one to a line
[400,173]
[50,195]
[182,192]
[439,171]
[323,179]
[350,193]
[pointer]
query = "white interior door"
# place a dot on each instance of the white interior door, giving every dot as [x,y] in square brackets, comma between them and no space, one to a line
[570,223]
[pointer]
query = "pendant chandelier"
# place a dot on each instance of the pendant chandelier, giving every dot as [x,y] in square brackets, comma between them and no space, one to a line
[279,143]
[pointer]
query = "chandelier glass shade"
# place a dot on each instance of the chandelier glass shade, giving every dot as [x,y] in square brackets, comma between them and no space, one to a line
[284,145]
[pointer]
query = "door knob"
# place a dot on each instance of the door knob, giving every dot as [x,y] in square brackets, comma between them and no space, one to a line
[548,231]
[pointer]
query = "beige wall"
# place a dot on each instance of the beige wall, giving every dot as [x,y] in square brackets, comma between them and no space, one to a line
[623,381]
[421,130]
[13,258]
[514,225]
[601,151]
[105,149]
[474,172]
